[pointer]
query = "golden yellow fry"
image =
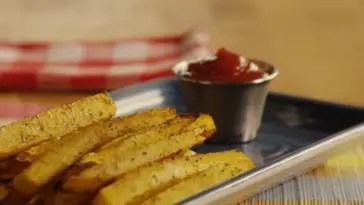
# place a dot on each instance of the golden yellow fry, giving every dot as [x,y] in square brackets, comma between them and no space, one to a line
[207,179]
[12,166]
[97,175]
[25,133]
[203,120]
[148,137]
[116,142]
[72,147]
[69,198]
[31,154]
[139,185]
[200,120]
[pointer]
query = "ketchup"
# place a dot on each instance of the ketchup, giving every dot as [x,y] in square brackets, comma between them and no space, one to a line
[226,67]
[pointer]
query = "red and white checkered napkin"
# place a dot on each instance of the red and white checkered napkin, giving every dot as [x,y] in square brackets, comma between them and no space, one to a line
[96,65]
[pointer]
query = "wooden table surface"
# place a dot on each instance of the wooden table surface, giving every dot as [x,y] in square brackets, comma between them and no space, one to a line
[317,44]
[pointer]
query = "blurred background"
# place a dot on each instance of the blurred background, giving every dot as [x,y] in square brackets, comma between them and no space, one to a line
[318,45]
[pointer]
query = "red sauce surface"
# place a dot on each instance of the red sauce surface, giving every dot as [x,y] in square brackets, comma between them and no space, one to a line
[225,68]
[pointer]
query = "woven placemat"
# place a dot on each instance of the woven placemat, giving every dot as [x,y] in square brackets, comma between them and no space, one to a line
[338,181]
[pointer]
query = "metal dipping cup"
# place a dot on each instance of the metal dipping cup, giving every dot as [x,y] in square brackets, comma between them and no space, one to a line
[236,108]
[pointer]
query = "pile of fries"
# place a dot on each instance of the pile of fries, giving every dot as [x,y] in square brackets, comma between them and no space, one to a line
[80,154]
